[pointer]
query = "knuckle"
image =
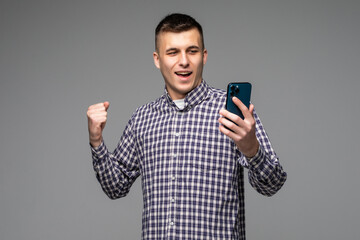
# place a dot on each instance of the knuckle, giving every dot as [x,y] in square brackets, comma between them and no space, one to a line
[250,122]
[237,119]
[90,114]
[231,125]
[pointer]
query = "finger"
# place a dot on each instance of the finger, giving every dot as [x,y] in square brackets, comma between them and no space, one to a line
[229,133]
[231,116]
[244,110]
[106,105]
[251,109]
[97,106]
[233,127]
[229,124]
[94,112]
[98,114]
[96,118]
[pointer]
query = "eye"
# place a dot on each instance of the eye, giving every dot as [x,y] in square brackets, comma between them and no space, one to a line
[172,52]
[193,51]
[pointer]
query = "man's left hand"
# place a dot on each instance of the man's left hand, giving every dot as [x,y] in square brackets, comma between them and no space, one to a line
[242,131]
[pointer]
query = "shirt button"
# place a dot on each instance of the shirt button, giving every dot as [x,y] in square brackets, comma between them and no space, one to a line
[177,134]
[174,155]
[173,200]
[173,178]
[172,223]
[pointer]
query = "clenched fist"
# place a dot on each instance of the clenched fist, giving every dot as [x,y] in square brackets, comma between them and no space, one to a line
[97,116]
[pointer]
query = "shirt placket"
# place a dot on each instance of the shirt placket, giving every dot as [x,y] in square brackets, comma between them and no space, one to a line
[174,175]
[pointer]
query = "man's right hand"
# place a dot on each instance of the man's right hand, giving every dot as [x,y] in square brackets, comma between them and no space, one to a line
[97,116]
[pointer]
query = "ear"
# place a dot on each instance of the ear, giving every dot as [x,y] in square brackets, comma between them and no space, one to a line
[156,59]
[205,54]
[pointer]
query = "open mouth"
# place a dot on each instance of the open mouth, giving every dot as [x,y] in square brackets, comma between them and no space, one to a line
[183,73]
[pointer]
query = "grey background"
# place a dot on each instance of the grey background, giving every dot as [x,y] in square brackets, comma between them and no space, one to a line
[59,57]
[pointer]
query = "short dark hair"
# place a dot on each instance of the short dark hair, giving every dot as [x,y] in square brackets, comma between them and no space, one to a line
[177,22]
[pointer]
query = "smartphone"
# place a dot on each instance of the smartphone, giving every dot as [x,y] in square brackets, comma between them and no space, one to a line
[241,90]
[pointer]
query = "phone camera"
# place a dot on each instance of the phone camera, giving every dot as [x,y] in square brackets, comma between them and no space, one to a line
[237,90]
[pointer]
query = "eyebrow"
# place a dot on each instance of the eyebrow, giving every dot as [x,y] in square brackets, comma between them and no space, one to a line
[171,49]
[176,49]
[193,46]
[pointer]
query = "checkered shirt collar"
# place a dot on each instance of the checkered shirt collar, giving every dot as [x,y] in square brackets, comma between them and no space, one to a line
[193,98]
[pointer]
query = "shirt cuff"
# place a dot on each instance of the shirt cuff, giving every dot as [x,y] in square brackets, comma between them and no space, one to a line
[99,151]
[256,160]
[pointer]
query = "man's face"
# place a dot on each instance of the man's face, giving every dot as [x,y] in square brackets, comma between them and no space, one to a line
[180,58]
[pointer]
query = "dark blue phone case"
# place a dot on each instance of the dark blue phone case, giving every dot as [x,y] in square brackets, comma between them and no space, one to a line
[241,90]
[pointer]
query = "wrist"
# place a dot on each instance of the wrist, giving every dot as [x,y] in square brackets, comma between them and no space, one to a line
[253,151]
[95,142]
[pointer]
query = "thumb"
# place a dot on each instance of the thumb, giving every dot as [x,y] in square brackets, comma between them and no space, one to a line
[251,109]
[106,105]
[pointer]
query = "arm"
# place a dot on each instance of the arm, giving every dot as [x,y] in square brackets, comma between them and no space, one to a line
[265,172]
[266,175]
[116,171]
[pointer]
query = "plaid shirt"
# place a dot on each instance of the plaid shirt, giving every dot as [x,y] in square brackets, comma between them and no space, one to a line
[192,175]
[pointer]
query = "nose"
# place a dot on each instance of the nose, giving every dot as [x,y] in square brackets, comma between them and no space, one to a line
[184,61]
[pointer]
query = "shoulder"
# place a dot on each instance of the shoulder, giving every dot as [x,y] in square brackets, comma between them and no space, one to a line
[217,95]
[148,109]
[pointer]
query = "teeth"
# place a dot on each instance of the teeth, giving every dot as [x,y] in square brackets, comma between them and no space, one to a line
[183,73]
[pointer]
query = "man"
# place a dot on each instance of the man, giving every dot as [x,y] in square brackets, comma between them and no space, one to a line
[189,154]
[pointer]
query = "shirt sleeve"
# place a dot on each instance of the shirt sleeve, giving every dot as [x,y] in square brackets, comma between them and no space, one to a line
[117,171]
[266,175]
